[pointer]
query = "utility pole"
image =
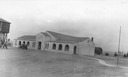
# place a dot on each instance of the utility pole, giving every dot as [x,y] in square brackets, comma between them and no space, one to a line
[119,47]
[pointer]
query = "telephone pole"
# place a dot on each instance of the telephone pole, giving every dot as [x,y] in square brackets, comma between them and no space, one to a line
[119,47]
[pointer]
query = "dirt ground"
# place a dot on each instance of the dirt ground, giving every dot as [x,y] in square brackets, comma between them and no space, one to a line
[34,63]
[113,60]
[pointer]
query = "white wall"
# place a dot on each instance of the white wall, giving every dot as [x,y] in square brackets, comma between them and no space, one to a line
[30,45]
[41,38]
[71,48]
[16,43]
[86,48]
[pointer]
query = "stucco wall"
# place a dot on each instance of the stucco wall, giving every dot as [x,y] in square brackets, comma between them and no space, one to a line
[41,38]
[30,45]
[70,51]
[16,43]
[86,48]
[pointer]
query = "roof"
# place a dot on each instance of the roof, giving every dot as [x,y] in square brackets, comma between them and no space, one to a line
[45,34]
[27,37]
[67,38]
[4,20]
[58,41]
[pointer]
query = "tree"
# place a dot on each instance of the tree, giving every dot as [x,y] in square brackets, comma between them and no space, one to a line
[115,54]
[107,54]
[98,50]
[125,55]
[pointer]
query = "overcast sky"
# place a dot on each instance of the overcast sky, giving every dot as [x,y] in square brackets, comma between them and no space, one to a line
[100,19]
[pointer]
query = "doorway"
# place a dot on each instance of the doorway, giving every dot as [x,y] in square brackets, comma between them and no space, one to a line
[75,50]
[39,45]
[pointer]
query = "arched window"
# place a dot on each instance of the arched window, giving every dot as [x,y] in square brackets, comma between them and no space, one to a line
[19,42]
[28,43]
[23,42]
[54,46]
[75,50]
[60,47]
[48,46]
[67,48]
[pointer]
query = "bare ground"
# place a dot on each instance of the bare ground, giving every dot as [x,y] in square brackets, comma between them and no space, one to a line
[32,63]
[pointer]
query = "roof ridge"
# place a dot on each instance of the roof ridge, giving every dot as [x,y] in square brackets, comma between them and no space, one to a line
[63,37]
[27,37]
[45,33]
[61,33]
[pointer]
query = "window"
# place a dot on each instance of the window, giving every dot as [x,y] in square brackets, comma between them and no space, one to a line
[54,46]
[67,48]
[23,42]
[33,44]
[19,42]
[28,43]
[60,47]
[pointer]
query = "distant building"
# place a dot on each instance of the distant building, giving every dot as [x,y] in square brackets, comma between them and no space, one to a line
[60,43]
[27,39]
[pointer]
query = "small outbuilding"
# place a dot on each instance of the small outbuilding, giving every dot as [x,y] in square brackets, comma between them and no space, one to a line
[29,40]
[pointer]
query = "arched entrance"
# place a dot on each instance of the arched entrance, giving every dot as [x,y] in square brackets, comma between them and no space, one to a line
[75,50]
[28,43]
[67,48]
[54,46]
[39,45]
[60,47]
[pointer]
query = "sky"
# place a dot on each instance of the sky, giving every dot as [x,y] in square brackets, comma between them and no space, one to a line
[100,19]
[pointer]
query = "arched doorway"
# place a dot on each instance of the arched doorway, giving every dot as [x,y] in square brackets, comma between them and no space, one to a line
[39,45]
[75,50]
[28,43]
[67,48]
[54,46]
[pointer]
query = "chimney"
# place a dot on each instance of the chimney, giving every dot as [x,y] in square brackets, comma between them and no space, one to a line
[92,39]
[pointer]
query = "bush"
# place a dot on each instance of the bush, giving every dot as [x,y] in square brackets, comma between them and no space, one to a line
[107,54]
[125,55]
[115,54]
[98,50]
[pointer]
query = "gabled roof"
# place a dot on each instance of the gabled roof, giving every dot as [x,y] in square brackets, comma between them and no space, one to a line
[4,20]
[45,34]
[67,38]
[27,37]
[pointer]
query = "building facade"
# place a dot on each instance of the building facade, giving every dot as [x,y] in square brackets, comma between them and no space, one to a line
[27,39]
[61,43]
